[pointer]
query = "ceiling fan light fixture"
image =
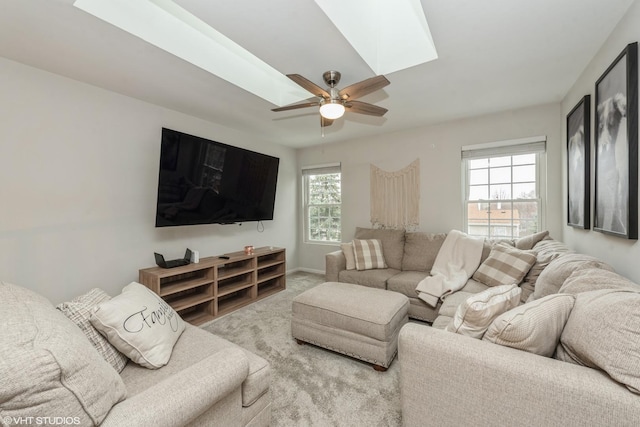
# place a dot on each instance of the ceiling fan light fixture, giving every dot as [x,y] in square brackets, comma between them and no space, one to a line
[332,109]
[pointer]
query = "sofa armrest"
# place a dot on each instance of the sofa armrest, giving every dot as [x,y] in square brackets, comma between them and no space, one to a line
[448,379]
[335,262]
[181,398]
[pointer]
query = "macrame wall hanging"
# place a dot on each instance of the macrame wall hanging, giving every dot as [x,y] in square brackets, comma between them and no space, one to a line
[395,197]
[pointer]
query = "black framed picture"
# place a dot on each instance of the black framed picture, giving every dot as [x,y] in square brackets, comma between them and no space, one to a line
[616,147]
[579,165]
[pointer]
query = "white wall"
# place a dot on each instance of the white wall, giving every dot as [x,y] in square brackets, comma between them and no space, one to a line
[622,254]
[438,148]
[78,183]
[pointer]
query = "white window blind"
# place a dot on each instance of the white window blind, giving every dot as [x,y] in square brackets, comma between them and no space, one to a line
[537,144]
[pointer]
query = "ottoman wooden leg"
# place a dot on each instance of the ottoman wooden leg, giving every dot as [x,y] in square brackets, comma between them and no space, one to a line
[379,368]
[300,342]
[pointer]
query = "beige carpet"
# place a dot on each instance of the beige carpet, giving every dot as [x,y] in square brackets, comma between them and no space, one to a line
[311,386]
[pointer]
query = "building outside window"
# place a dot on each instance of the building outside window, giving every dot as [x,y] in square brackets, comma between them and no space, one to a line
[322,203]
[504,185]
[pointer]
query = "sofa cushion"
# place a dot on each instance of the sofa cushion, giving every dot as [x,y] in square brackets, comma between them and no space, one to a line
[587,279]
[528,242]
[368,254]
[554,275]
[421,250]
[349,256]
[505,266]
[140,324]
[603,332]
[475,314]
[535,327]
[473,286]
[405,282]
[392,244]
[550,246]
[78,310]
[528,284]
[441,322]
[452,301]
[47,366]
[194,345]
[372,278]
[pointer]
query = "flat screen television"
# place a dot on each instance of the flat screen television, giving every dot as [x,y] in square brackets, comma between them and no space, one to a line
[207,182]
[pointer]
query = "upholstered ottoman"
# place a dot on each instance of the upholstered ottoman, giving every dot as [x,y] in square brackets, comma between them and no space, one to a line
[355,320]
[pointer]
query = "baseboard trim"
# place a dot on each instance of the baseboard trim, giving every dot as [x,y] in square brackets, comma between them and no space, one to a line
[306,270]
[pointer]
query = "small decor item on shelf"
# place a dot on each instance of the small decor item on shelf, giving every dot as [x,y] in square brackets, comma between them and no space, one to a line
[248,250]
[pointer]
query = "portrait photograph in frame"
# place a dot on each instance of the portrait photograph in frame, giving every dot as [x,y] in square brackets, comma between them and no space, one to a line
[616,147]
[579,165]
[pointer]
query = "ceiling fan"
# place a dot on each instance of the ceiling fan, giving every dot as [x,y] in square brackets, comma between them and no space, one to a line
[333,101]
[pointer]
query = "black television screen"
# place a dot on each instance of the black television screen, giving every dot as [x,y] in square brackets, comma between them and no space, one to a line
[204,182]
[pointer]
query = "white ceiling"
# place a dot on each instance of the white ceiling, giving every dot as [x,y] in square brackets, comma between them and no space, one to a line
[494,55]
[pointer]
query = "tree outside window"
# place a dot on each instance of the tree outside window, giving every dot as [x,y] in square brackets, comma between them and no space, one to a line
[322,205]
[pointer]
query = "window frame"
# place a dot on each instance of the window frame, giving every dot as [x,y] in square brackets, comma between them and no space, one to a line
[306,205]
[533,145]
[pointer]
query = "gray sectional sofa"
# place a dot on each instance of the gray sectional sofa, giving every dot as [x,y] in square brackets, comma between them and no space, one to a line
[448,379]
[52,375]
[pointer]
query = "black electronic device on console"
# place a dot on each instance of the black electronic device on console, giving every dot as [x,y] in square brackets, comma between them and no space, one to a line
[174,262]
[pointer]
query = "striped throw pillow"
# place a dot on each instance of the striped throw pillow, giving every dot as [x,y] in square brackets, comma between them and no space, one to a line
[78,310]
[505,266]
[368,254]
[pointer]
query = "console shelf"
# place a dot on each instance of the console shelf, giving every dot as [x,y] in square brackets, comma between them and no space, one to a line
[215,286]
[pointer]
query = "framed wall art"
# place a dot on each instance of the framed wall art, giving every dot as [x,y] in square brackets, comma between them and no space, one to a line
[616,147]
[579,165]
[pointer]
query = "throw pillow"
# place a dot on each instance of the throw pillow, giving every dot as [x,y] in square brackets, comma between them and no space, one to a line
[548,246]
[587,279]
[140,324]
[392,243]
[368,254]
[347,250]
[528,284]
[602,333]
[78,310]
[475,314]
[535,327]
[47,365]
[528,242]
[505,266]
[421,250]
[552,277]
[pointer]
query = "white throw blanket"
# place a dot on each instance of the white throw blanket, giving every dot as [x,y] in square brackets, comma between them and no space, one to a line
[456,261]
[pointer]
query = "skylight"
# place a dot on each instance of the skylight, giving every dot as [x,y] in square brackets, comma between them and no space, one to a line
[171,28]
[388,35]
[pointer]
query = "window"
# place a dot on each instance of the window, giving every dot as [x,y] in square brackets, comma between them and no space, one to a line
[322,203]
[503,188]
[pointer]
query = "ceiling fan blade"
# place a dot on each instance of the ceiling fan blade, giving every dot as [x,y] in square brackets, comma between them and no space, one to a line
[309,85]
[365,108]
[364,87]
[296,106]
